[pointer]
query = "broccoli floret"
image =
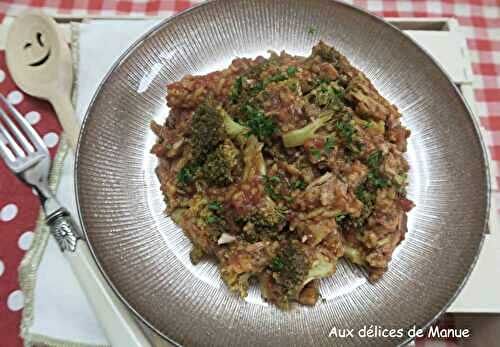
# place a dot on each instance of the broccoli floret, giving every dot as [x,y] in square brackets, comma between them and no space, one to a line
[236,282]
[233,129]
[220,164]
[240,261]
[207,130]
[188,173]
[202,225]
[326,52]
[292,269]
[196,254]
[327,95]
[353,255]
[297,268]
[210,126]
[265,223]
[321,267]
[294,265]
[298,137]
[206,218]
[269,214]
[289,269]
[266,219]
[270,185]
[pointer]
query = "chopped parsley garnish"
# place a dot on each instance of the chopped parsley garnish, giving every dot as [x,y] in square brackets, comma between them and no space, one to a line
[339,218]
[338,93]
[270,184]
[316,153]
[275,179]
[213,219]
[214,206]
[364,195]
[277,264]
[187,173]
[327,95]
[260,125]
[239,85]
[368,199]
[346,130]
[237,89]
[359,146]
[376,179]
[325,150]
[312,30]
[375,159]
[329,144]
[299,184]
[257,87]
[291,71]
[368,124]
[276,78]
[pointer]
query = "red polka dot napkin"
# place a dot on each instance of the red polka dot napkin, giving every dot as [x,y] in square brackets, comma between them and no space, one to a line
[19,208]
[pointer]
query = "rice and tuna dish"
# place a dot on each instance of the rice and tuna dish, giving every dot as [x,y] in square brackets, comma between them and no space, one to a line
[278,167]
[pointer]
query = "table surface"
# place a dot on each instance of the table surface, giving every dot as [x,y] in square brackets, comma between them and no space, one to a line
[480,20]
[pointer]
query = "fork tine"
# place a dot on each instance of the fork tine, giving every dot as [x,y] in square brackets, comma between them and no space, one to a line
[29,131]
[20,137]
[6,153]
[12,143]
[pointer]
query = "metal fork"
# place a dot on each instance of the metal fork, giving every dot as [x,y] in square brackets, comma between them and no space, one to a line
[26,155]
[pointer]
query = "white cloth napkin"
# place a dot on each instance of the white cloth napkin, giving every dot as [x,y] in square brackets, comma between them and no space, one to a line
[60,309]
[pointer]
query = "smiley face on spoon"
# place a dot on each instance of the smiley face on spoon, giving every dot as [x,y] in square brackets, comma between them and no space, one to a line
[37,50]
[39,61]
[34,43]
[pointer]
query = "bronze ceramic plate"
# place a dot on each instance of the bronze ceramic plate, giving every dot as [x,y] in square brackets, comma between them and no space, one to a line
[145,256]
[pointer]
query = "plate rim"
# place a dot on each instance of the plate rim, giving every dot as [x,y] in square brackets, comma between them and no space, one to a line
[157,27]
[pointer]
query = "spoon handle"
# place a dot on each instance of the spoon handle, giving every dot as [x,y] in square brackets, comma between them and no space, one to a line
[118,324]
[66,114]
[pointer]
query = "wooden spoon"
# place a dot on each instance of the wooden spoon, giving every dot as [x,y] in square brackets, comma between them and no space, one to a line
[39,61]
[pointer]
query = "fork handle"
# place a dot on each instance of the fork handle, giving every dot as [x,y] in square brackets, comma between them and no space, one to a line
[116,320]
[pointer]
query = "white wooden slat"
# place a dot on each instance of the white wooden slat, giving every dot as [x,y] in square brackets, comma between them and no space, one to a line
[446,48]
[480,294]
[468,93]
